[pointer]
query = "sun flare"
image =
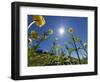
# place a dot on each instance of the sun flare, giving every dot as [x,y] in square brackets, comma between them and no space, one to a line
[61,31]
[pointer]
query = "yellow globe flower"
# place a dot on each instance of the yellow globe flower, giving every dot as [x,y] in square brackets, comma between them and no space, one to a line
[77,39]
[59,46]
[44,37]
[34,34]
[50,31]
[70,30]
[56,39]
[39,20]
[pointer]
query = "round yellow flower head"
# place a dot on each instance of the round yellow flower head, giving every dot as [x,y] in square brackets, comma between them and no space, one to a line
[71,30]
[50,31]
[59,46]
[34,34]
[77,39]
[44,37]
[39,20]
[56,39]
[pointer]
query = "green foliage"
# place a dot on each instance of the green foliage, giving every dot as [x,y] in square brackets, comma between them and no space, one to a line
[46,59]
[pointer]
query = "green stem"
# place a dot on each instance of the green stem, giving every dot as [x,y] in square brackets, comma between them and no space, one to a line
[76,49]
[31,24]
[69,55]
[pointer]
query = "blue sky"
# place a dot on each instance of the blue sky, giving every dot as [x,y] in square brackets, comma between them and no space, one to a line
[79,25]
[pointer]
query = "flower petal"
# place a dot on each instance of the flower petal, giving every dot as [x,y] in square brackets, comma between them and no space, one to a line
[70,30]
[34,34]
[39,20]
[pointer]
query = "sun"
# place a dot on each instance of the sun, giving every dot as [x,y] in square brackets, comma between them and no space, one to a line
[61,31]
